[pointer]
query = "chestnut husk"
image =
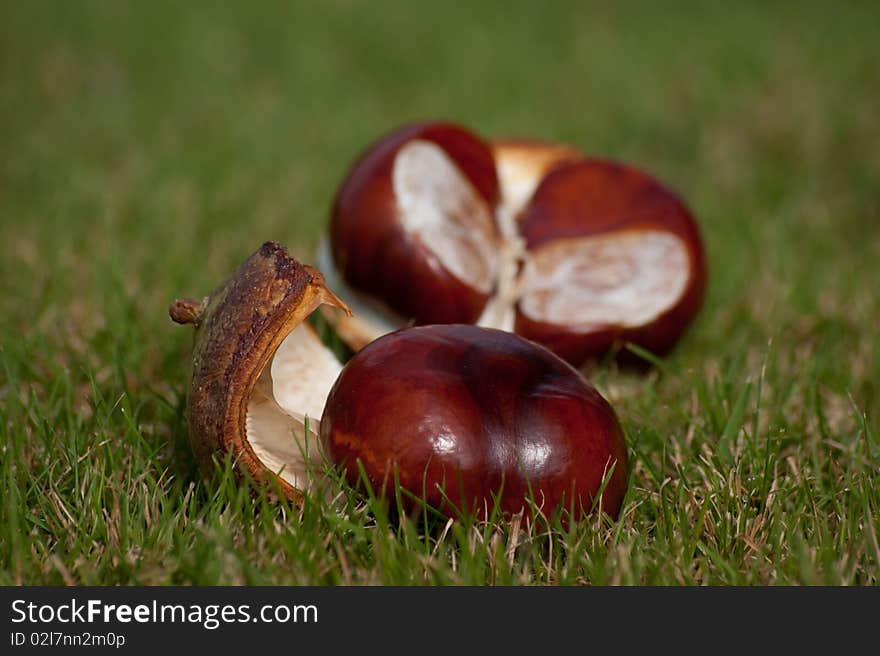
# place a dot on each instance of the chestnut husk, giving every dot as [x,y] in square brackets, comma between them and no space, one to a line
[238,328]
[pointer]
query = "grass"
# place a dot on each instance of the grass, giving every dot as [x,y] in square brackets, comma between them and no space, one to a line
[148,148]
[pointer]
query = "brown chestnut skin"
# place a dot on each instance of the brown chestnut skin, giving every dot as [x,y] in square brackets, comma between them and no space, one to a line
[461,413]
[593,197]
[375,255]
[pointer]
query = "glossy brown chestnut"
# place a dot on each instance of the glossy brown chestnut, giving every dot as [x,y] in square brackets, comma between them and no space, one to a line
[413,223]
[463,413]
[578,254]
[614,256]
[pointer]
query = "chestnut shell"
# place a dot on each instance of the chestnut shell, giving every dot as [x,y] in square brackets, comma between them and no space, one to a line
[461,414]
[370,247]
[596,196]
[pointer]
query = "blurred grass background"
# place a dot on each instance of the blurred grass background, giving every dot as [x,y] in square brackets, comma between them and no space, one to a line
[147,148]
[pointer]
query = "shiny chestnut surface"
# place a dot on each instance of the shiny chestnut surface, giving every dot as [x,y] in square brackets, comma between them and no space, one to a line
[595,198]
[462,412]
[378,256]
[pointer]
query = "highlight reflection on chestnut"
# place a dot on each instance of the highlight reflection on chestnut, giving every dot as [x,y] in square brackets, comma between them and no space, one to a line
[463,413]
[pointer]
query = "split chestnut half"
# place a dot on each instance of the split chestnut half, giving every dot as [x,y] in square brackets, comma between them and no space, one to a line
[459,414]
[433,224]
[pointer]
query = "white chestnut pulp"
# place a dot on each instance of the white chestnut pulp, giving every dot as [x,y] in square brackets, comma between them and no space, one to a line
[442,210]
[290,393]
[626,278]
[623,279]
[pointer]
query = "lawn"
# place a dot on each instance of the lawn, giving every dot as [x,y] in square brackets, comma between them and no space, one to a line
[147,148]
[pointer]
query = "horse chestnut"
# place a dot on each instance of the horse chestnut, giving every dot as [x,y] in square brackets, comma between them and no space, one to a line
[413,222]
[434,225]
[461,414]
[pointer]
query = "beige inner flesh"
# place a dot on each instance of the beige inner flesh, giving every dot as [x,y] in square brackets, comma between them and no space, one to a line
[370,317]
[499,311]
[520,169]
[291,391]
[624,279]
[440,207]
[518,177]
[518,183]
